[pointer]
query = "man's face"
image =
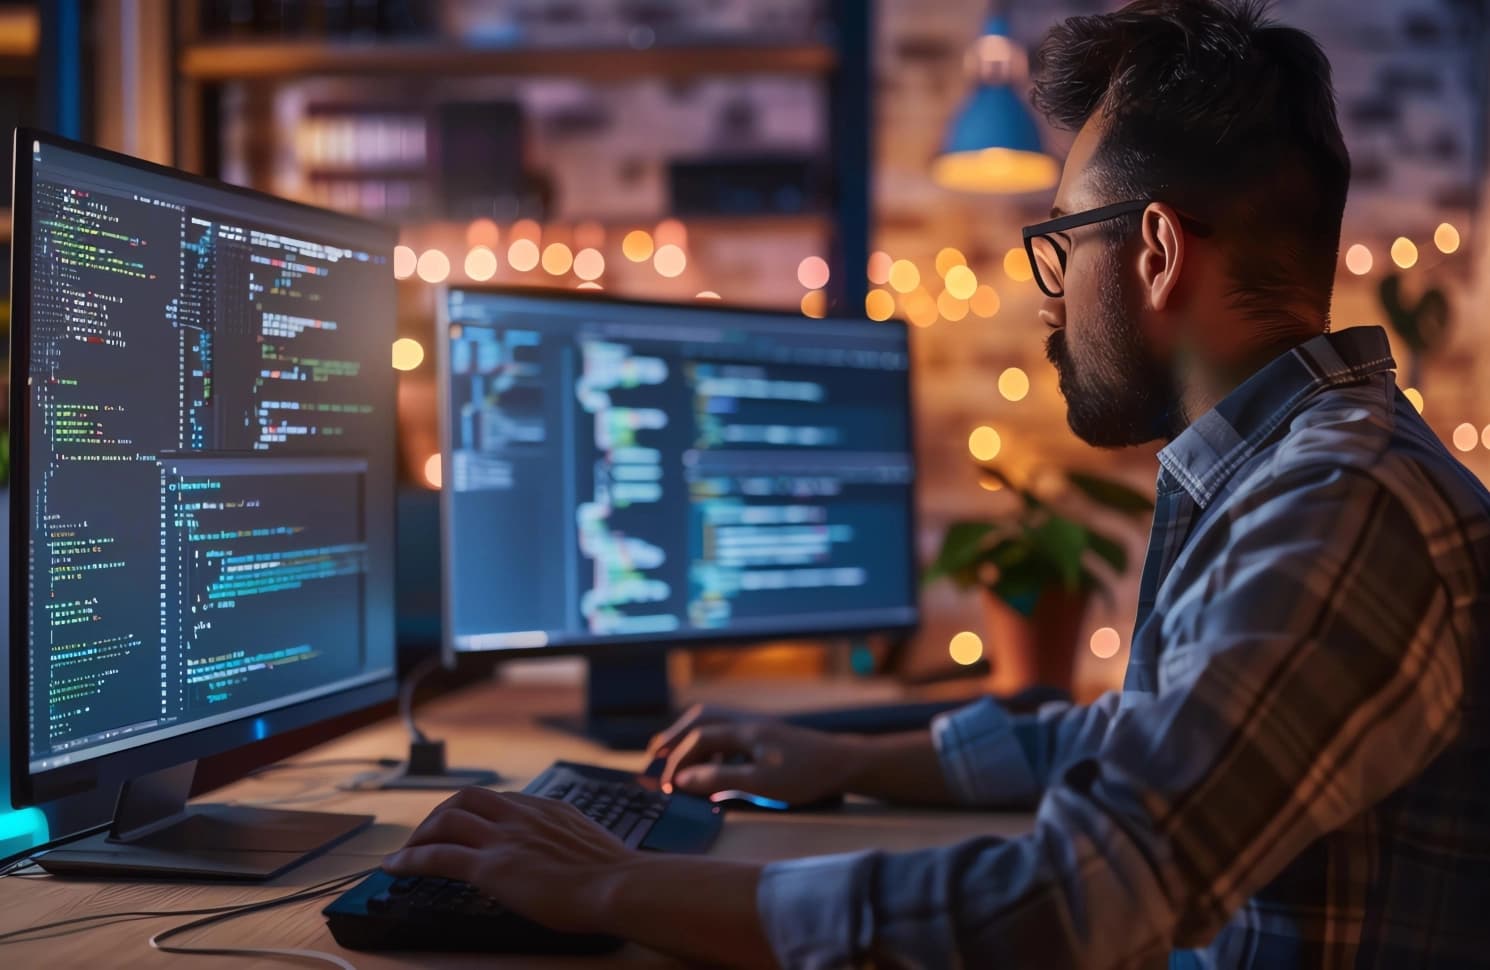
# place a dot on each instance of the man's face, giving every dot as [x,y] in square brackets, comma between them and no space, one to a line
[1117,390]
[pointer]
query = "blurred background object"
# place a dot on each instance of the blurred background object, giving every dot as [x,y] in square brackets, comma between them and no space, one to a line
[827,156]
[993,143]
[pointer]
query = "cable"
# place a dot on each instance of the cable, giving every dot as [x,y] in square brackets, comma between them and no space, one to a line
[421,670]
[322,763]
[157,942]
[18,867]
[35,850]
[308,795]
[321,888]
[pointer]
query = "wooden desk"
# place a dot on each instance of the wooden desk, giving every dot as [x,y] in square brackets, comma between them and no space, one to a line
[487,725]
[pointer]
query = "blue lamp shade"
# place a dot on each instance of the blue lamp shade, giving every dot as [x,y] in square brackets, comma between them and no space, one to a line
[994,144]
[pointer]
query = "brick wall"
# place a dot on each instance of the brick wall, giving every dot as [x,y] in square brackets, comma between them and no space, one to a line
[1409,79]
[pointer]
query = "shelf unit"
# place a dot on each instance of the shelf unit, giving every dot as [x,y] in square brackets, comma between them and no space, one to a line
[203,66]
[219,61]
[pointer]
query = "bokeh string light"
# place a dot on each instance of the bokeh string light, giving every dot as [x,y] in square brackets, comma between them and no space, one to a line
[408,354]
[966,648]
[1404,253]
[949,259]
[557,259]
[670,260]
[984,443]
[434,266]
[1017,266]
[1106,643]
[523,255]
[481,264]
[813,272]
[637,246]
[879,305]
[405,262]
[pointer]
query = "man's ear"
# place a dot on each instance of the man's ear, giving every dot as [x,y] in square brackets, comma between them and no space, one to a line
[1162,255]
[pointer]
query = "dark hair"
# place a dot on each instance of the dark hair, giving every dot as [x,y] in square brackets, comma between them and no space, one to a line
[1210,106]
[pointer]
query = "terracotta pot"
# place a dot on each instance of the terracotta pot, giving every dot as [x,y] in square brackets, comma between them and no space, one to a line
[1039,649]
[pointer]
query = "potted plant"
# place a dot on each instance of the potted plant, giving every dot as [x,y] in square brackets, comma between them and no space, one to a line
[1038,565]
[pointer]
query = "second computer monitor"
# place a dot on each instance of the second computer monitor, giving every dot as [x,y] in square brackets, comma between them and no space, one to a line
[621,473]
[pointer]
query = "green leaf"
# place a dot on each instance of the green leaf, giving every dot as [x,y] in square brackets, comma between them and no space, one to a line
[1025,495]
[1111,494]
[1010,551]
[1021,586]
[1061,543]
[995,475]
[1109,550]
[962,549]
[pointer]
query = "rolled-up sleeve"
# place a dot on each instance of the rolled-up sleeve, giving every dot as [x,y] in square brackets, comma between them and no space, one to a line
[990,758]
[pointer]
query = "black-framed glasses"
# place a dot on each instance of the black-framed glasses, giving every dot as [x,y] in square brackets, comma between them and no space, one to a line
[1048,255]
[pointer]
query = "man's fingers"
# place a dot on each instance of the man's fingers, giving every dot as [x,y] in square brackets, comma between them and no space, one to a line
[494,806]
[705,779]
[447,861]
[704,743]
[664,742]
[453,826]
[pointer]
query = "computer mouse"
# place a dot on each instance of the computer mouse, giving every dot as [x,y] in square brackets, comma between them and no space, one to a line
[731,798]
[735,798]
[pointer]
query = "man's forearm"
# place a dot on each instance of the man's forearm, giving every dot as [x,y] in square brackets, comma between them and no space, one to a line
[897,768]
[702,910]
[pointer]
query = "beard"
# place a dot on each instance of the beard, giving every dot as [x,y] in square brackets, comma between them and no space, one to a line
[1117,392]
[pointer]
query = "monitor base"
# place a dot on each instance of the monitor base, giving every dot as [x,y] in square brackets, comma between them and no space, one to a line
[156,835]
[209,842]
[628,700]
[424,771]
[618,732]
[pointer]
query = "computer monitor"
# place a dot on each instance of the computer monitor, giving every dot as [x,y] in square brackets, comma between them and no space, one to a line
[202,495]
[624,477]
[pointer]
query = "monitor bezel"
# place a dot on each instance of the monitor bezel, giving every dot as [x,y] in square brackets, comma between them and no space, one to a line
[33,788]
[634,645]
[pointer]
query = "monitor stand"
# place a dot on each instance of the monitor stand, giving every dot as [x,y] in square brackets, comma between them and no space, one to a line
[156,834]
[627,701]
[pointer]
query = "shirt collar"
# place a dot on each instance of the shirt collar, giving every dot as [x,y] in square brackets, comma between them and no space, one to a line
[1216,444]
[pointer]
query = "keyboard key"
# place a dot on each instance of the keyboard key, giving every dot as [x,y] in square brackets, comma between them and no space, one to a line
[627,823]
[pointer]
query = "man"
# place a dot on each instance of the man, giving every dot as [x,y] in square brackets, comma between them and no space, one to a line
[1295,773]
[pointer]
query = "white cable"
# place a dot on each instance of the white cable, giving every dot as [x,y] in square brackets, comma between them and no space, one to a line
[320,956]
[314,892]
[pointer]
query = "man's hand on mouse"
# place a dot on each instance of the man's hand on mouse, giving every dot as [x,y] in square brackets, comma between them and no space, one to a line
[697,716]
[761,756]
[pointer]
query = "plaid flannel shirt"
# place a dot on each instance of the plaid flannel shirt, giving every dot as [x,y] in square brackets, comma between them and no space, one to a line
[1296,772]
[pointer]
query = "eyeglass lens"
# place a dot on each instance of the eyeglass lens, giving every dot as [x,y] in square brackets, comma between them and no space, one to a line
[1048,264]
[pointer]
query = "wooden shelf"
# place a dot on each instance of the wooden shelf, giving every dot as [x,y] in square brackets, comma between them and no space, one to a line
[19,30]
[263,60]
[771,224]
[763,223]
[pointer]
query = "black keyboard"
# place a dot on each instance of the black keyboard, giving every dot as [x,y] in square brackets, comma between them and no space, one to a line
[623,807]
[421,913]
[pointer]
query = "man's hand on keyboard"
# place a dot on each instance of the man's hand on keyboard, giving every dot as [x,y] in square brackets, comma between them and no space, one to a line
[536,856]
